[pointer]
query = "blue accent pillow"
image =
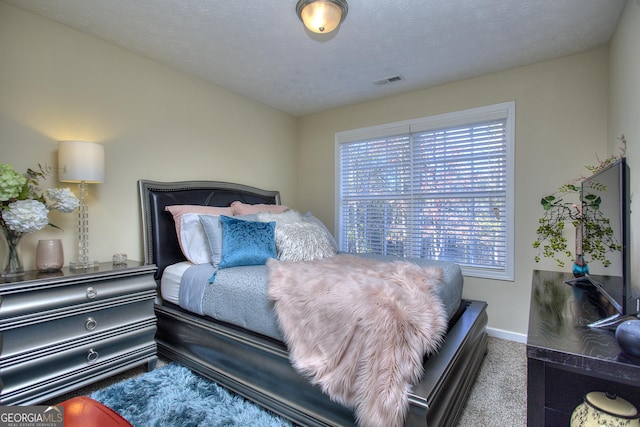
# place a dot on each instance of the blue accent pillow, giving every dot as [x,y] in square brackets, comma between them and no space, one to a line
[246,242]
[213,231]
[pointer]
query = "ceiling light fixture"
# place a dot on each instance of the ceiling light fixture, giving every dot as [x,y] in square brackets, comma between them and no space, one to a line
[322,16]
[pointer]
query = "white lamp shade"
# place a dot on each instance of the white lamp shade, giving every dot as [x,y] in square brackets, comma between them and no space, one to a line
[80,161]
[321,16]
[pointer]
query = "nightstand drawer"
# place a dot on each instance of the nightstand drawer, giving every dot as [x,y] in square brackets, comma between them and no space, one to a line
[53,331]
[66,296]
[27,376]
[59,332]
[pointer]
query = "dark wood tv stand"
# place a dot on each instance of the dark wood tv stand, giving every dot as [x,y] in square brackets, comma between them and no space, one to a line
[565,358]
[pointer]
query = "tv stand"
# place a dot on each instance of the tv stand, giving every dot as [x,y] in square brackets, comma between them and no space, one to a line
[565,357]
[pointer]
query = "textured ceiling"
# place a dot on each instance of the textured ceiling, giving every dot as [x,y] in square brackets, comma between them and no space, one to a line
[261,50]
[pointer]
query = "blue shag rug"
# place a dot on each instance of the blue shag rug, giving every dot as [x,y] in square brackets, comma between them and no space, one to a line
[173,396]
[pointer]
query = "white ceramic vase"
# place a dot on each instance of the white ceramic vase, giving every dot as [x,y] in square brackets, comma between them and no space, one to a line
[605,409]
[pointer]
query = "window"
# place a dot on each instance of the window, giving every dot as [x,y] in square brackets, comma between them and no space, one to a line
[439,187]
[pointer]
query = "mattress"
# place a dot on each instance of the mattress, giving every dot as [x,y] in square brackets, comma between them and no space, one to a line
[170,283]
[239,296]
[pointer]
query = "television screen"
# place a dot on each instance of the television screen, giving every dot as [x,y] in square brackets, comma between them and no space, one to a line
[608,191]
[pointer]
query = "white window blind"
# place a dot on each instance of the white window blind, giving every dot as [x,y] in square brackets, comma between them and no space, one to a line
[437,188]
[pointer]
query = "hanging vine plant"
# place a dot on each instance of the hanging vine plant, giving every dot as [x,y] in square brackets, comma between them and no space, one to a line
[567,206]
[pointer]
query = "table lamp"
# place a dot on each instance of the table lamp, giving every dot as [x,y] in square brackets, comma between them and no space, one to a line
[83,163]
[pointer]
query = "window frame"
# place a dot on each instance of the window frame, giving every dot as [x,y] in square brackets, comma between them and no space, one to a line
[505,110]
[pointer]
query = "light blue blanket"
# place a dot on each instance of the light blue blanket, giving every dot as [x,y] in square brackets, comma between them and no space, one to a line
[239,295]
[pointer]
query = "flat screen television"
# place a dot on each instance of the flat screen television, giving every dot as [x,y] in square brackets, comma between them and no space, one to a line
[611,185]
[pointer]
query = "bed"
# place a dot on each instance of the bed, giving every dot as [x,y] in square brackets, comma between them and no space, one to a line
[257,365]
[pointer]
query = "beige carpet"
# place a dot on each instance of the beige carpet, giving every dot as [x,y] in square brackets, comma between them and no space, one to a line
[499,395]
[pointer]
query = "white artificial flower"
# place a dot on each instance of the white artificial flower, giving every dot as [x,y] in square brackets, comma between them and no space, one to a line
[64,200]
[26,216]
[24,207]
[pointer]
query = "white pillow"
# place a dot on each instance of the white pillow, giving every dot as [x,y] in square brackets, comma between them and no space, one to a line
[302,241]
[287,217]
[193,240]
[309,217]
[191,236]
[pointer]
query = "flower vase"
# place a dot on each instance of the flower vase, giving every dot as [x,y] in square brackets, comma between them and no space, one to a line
[580,266]
[49,255]
[13,263]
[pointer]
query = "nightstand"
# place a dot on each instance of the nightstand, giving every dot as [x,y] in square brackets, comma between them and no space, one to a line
[65,330]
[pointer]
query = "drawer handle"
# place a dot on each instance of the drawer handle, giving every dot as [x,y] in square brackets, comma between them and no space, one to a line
[90,324]
[92,356]
[91,293]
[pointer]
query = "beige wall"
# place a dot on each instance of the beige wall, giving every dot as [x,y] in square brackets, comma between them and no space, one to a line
[624,111]
[155,123]
[561,125]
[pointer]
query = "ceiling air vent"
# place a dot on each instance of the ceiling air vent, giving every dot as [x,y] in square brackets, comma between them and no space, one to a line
[386,80]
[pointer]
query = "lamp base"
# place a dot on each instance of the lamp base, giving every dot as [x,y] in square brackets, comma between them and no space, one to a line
[83,265]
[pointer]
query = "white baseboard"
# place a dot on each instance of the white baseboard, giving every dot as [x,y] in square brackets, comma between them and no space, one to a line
[507,335]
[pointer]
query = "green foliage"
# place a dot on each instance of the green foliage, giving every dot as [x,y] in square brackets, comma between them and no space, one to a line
[551,240]
[565,207]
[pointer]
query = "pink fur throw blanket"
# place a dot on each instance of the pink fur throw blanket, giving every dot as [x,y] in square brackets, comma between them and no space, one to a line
[359,329]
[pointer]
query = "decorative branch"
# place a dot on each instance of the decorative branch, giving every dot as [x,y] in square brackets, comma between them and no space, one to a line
[558,211]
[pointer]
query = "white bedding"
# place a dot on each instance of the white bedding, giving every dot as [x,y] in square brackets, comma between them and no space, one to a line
[170,283]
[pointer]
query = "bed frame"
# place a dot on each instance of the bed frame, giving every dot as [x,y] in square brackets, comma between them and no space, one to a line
[258,367]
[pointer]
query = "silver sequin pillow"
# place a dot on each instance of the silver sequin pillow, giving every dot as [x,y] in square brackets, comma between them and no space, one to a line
[302,241]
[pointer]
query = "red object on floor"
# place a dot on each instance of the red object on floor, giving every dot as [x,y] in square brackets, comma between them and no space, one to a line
[83,411]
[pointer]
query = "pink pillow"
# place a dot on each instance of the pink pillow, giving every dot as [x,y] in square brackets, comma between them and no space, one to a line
[240,208]
[191,235]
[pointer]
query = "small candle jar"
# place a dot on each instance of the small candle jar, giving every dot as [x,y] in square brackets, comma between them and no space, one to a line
[49,255]
[120,260]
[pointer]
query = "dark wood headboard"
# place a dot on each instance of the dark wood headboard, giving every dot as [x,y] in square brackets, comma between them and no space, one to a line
[161,245]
